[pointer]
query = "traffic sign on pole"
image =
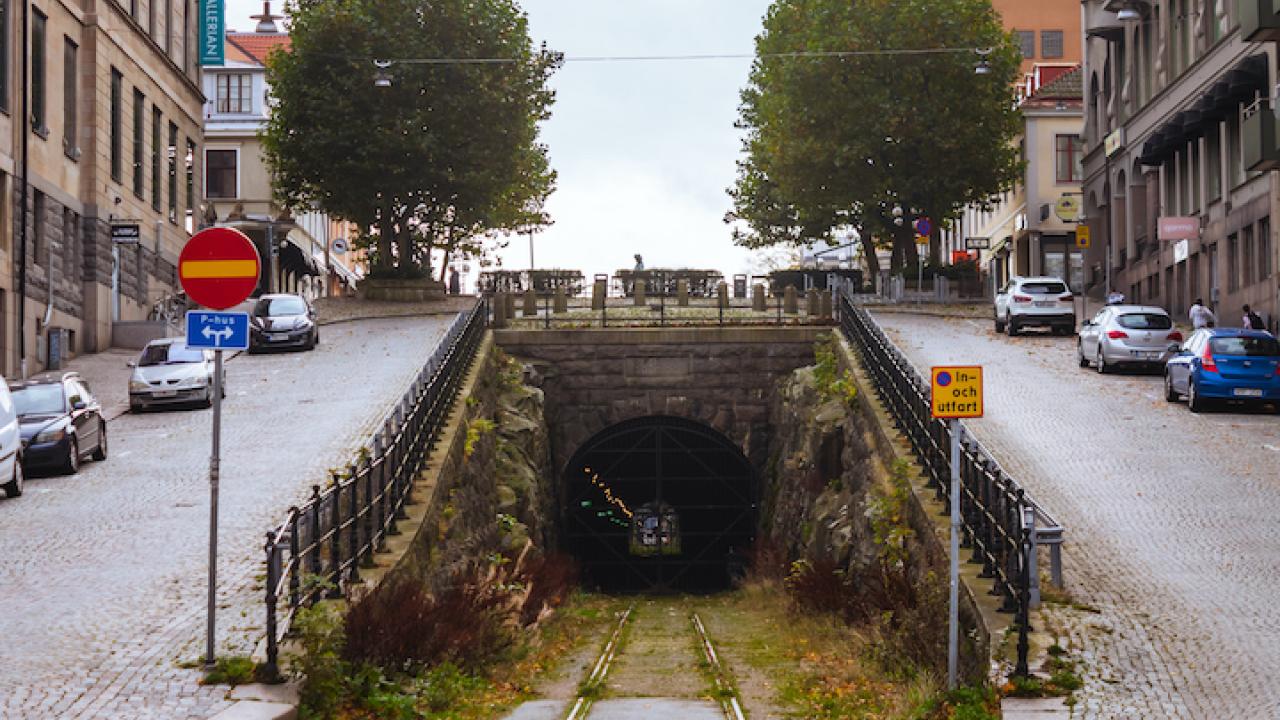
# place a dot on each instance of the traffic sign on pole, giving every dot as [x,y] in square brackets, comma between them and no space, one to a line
[217,330]
[1082,236]
[957,392]
[924,226]
[219,267]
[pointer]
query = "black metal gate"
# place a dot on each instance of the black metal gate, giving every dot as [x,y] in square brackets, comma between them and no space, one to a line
[660,504]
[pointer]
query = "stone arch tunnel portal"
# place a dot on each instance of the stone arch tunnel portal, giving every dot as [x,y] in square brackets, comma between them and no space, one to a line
[659,504]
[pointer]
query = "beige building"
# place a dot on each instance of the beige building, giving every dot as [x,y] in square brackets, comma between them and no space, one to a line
[237,181]
[1031,229]
[1179,145]
[114,107]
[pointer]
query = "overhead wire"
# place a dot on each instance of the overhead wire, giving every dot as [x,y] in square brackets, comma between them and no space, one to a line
[385,62]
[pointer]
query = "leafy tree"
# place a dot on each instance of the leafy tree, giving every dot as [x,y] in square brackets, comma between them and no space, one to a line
[836,142]
[445,157]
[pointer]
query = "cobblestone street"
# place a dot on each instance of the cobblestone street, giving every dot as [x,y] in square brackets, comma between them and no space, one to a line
[1171,521]
[102,574]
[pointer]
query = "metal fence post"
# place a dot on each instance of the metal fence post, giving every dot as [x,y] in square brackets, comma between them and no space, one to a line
[335,544]
[294,560]
[273,582]
[313,546]
[353,536]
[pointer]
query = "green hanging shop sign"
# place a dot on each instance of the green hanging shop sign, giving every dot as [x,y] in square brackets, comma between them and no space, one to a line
[212,29]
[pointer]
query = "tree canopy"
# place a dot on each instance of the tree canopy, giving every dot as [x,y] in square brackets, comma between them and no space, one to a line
[837,142]
[445,156]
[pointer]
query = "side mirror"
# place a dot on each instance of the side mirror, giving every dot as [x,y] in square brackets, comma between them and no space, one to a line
[79,405]
[131,364]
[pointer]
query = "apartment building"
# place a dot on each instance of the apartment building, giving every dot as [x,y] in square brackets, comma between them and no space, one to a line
[312,254]
[99,123]
[1048,31]
[1179,141]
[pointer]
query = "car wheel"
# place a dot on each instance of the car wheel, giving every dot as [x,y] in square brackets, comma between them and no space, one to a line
[208,397]
[1012,327]
[1100,362]
[72,465]
[100,453]
[1195,403]
[999,325]
[13,488]
[136,407]
[1169,393]
[1080,358]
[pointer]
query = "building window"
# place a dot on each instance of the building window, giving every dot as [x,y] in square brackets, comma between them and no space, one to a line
[38,91]
[1264,248]
[139,142]
[4,56]
[1247,267]
[1193,175]
[1070,159]
[1213,162]
[1233,262]
[168,27]
[191,185]
[220,173]
[157,121]
[172,150]
[1027,43]
[117,142]
[1051,44]
[235,93]
[1235,160]
[70,97]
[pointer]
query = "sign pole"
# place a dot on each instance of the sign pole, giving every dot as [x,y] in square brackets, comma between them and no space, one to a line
[214,460]
[953,615]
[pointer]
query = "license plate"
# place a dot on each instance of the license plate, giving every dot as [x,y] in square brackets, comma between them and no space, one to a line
[1046,303]
[1247,392]
[1143,355]
[165,393]
[278,336]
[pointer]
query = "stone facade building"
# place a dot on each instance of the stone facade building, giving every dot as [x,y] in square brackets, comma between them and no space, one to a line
[113,101]
[1178,192]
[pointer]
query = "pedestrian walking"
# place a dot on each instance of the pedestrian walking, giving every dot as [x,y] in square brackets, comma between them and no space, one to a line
[1201,316]
[1253,321]
[455,282]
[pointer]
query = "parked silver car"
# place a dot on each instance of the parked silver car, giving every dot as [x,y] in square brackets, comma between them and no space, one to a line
[1127,335]
[1035,302]
[170,373]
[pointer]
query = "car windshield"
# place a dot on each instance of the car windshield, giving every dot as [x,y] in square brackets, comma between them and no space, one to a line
[1044,288]
[169,354]
[1245,346]
[275,307]
[1144,321]
[39,400]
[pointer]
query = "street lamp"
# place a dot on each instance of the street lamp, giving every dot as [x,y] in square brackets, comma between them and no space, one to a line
[382,78]
[1129,14]
[983,67]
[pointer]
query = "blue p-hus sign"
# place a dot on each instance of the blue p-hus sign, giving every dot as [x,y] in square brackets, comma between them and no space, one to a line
[210,330]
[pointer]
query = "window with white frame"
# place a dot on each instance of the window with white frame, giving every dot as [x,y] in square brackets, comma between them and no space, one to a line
[235,92]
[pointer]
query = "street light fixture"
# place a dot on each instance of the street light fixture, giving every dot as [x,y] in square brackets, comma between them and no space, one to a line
[983,67]
[382,78]
[1129,14]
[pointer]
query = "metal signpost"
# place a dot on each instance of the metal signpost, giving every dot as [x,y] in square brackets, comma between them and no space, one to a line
[219,268]
[956,393]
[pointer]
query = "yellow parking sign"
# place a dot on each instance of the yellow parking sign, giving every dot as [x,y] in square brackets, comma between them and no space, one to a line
[1082,236]
[957,392]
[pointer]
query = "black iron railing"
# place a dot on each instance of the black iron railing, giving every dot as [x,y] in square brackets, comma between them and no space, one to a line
[1002,526]
[337,531]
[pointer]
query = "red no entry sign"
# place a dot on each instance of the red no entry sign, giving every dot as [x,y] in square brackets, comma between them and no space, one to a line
[219,268]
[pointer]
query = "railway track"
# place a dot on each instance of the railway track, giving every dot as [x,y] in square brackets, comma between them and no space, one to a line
[723,691]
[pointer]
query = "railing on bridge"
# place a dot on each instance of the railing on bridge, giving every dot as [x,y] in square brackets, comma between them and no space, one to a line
[338,529]
[1002,525]
[619,301]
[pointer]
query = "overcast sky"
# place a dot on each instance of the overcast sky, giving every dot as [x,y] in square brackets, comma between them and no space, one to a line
[645,150]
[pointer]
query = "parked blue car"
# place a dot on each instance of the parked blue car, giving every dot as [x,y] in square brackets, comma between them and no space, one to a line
[1224,364]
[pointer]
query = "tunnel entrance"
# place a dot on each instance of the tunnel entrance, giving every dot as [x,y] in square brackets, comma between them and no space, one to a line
[660,504]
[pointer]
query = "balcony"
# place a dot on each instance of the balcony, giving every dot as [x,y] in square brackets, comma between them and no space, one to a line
[1259,138]
[1259,19]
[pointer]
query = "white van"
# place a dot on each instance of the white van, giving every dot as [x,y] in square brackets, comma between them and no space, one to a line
[10,445]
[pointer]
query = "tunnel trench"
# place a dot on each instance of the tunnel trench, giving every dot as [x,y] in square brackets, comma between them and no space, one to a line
[660,504]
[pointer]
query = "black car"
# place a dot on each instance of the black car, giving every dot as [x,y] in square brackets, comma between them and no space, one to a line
[60,420]
[282,321]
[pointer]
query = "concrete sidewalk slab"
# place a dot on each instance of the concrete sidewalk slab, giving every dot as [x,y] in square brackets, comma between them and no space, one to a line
[1034,709]
[256,710]
[540,710]
[649,708]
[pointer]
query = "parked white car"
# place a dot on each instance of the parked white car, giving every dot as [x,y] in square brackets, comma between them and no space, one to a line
[11,477]
[1035,302]
[1127,335]
[170,373]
